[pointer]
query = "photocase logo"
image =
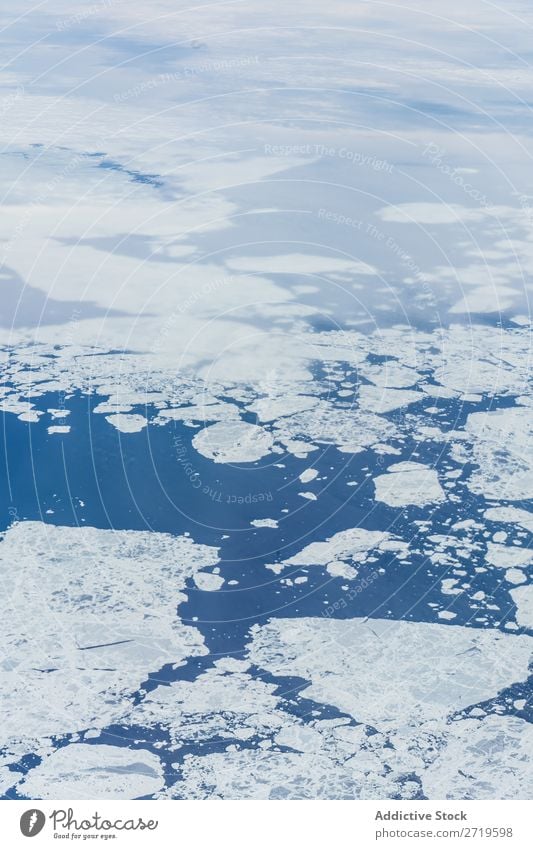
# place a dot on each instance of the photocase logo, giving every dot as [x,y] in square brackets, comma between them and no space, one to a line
[32,822]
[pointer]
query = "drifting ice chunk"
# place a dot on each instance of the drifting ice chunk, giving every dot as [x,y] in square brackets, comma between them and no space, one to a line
[408,483]
[233,442]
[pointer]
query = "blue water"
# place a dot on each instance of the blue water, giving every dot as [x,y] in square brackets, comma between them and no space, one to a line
[139,482]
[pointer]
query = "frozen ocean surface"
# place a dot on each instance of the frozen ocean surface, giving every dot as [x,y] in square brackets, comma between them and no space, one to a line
[267,478]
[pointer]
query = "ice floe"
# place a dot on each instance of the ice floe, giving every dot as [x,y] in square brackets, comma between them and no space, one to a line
[408,483]
[264,523]
[378,399]
[350,430]
[126,298]
[336,656]
[354,544]
[308,475]
[502,450]
[208,581]
[506,556]
[401,725]
[523,598]
[233,442]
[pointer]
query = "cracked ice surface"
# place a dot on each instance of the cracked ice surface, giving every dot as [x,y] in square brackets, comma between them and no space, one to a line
[89,614]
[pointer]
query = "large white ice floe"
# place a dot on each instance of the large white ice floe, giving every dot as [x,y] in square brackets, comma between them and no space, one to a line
[378,399]
[88,615]
[83,771]
[233,442]
[408,483]
[457,761]
[277,382]
[502,442]
[348,661]
[128,423]
[349,429]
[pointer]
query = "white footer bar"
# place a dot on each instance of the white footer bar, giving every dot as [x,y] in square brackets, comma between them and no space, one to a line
[268,824]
